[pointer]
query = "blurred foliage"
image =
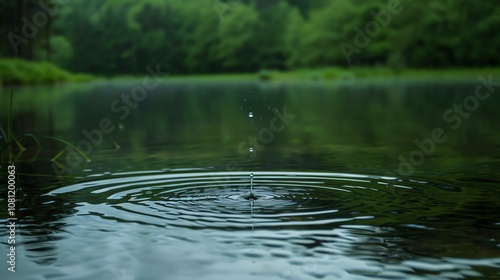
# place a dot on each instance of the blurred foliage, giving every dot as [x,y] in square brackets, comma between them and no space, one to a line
[124,36]
[63,51]
[21,72]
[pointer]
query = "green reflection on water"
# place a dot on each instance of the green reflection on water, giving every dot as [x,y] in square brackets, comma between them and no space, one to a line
[351,127]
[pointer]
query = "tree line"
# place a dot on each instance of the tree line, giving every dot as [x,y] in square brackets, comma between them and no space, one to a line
[206,36]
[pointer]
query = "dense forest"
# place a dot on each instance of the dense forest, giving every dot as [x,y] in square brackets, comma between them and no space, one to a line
[215,36]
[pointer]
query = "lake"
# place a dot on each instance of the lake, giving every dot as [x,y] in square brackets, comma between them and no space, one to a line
[370,179]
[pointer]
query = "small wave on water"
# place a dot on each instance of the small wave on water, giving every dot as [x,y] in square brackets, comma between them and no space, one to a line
[220,200]
[300,225]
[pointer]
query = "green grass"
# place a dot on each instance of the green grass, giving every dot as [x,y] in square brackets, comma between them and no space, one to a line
[330,74]
[21,72]
[9,140]
[337,73]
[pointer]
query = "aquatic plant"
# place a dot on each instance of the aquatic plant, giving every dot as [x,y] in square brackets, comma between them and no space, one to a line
[10,140]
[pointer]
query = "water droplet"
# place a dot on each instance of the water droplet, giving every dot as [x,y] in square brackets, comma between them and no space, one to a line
[241,108]
[250,114]
[251,186]
[251,150]
[268,107]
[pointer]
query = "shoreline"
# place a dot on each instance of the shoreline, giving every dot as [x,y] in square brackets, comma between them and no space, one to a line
[332,75]
[24,73]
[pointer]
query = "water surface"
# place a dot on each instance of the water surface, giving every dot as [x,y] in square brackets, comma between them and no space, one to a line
[343,188]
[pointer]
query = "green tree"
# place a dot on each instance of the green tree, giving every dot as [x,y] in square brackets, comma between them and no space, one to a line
[293,39]
[328,29]
[236,40]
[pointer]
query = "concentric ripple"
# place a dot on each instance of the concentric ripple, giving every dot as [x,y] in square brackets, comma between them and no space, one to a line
[283,199]
[302,225]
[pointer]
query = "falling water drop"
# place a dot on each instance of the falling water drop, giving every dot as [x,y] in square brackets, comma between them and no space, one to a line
[251,186]
[250,114]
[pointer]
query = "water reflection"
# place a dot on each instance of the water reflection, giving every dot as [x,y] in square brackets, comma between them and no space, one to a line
[171,199]
[344,127]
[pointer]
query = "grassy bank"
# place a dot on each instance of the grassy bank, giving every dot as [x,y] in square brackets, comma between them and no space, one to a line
[21,72]
[362,73]
[333,74]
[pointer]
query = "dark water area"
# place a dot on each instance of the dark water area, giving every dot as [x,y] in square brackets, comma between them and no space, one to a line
[392,179]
